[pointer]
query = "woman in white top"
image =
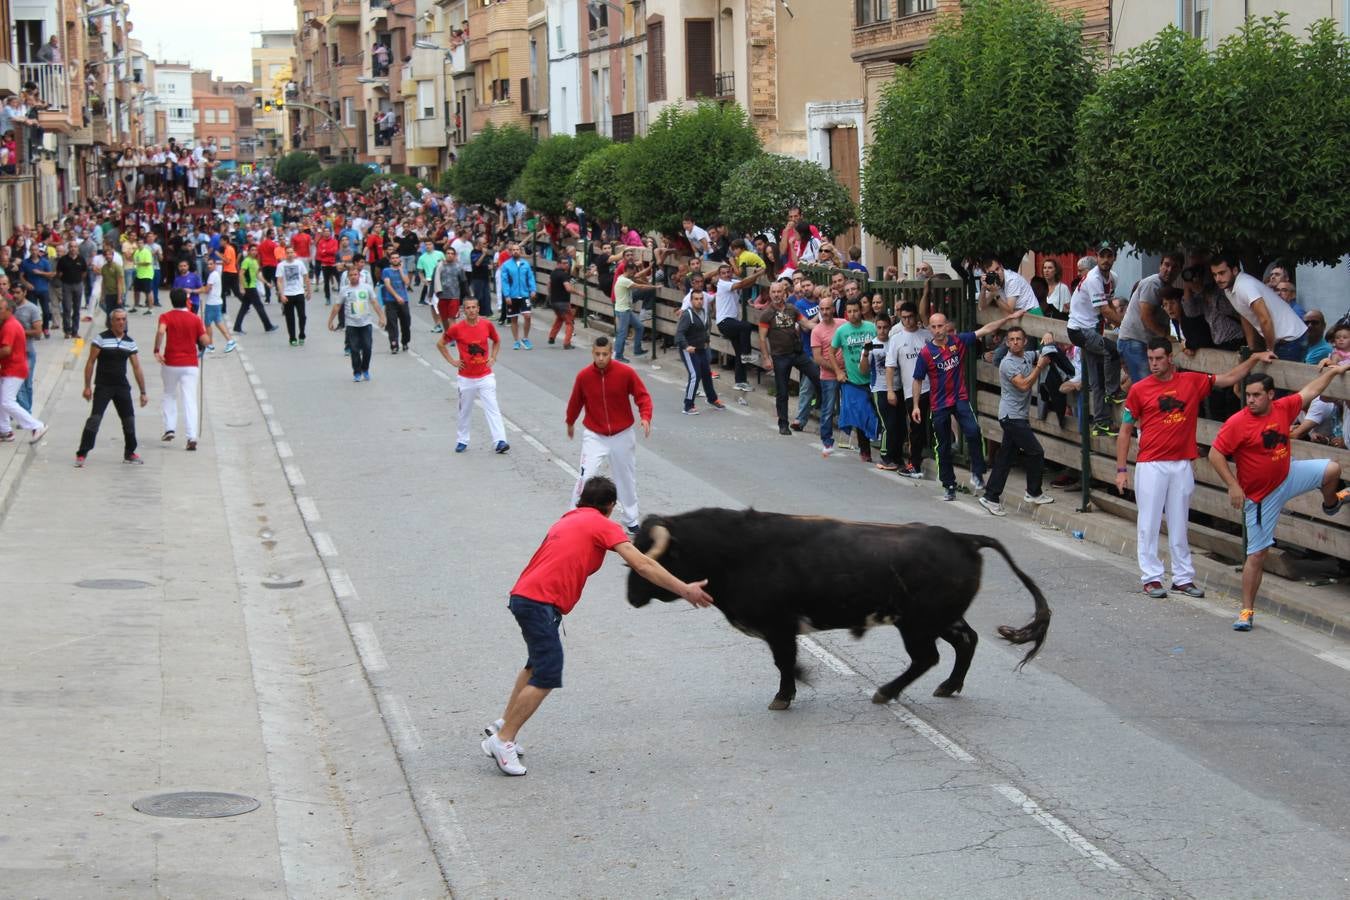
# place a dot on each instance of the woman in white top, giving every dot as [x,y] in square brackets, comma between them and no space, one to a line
[1057,292]
[126,168]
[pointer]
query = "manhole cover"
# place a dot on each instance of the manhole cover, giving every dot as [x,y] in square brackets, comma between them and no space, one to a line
[195,805]
[112,584]
[283,585]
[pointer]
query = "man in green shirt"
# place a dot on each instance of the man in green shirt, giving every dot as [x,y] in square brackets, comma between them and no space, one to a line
[114,280]
[143,258]
[248,279]
[854,338]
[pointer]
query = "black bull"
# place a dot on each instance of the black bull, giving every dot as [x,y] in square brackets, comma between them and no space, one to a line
[776,576]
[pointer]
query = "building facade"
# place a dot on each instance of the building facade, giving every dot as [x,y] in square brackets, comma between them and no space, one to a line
[272,68]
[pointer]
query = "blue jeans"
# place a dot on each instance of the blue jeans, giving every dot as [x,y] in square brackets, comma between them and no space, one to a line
[1135,356]
[1292,351]
[25,395]
[965,418]
[626,320]
[806,391]
[829,396]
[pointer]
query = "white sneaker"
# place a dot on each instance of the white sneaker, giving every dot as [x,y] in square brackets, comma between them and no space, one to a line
[497,726]
[504,755]
[744,386]
[976,483]
[1039,501]
[994,508]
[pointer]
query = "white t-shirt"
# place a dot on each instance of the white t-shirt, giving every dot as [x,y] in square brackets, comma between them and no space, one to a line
[463,248]
[1059,297]
[292,274]
[213,293]
[902,349]
[727,304]
[1018,290]
[1246,290]
[1094,292]
[698,239]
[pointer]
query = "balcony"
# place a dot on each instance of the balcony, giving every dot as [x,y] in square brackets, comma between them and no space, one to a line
[724,85]
[346,12]
[51,81]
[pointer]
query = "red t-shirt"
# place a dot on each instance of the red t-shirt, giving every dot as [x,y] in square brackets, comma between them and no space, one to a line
[1260,446]
[11,335]
[181,331]
[267,252]
[572,551]
[474,345]
[301,244]
[374,248]
[1165,412]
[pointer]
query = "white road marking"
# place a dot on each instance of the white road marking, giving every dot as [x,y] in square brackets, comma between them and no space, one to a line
[266,409]
[832,662]
[323,543]
[248,366]
[309,510]
[368,646]
[530,439]
[406,736]
[293,476]
[342,583]
[935,737]
[442,375]
[443,824]
[566,467]
[284,450]
[1331,656]
[1060,829]
[260,394]
[273,427]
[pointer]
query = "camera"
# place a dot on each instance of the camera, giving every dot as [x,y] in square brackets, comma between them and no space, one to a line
[871,345]
[992,279]
[1191,273]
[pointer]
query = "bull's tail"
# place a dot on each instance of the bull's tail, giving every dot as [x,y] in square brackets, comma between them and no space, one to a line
[1034,631]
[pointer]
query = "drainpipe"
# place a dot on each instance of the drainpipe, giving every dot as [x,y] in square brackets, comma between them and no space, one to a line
[1181,14]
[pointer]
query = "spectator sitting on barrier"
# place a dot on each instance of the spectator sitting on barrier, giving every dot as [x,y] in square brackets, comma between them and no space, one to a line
[1318,347]
[1091,303]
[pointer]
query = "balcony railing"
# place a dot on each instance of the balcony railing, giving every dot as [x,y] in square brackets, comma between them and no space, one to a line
[51,82]
[724,84]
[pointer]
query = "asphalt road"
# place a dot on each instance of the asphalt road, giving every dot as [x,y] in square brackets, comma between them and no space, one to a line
[1148,751]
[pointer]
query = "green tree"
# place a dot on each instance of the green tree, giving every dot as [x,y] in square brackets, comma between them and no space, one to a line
[972,150]
[679,168]
[1245,149]
[489,164]
[296,166]
[762,189]
[375,179]
[342,176]
[594,186]
[544,181]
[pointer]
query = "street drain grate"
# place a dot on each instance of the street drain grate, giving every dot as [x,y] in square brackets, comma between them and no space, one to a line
[283,585]
[112,584]
[195,805]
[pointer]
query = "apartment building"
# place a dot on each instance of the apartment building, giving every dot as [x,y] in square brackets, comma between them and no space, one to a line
[173,87]
[387,31]
[327,116]
[499,52]
[272,69]
[215,115]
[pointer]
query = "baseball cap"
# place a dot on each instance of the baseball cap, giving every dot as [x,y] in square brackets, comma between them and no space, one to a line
[1107,247]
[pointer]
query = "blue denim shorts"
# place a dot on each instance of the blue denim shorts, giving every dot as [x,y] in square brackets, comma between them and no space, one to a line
[212,313]
[539,624]
[1304,475]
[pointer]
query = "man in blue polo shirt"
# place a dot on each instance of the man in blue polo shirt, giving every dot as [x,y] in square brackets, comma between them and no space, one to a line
[942,361]
[190,282]
[395,295]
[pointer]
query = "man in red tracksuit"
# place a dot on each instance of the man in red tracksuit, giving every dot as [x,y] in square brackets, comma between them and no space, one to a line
[603,389]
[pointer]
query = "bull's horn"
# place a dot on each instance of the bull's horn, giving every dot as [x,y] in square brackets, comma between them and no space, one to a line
[660,541]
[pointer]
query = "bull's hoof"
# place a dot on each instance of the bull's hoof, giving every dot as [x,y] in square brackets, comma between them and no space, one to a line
[780,704]
[881,698]
[947,689]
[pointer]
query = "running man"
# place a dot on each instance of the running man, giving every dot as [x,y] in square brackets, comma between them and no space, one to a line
[1257,438]
[213,308]
[294,292]
[478,345]
[105,381]
[603,389]
[359,311]
[178,340]
[549,588]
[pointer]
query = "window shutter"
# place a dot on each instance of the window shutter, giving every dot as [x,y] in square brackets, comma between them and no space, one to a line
[699,62]
[656,53]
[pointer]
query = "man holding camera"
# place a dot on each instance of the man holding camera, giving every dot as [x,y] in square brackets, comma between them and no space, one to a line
[1165,407]
[1018,374]
[1008,290]
[1257,438]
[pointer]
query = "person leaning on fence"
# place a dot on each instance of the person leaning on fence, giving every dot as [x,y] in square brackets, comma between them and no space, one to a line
[1018,373]
[1264,314]
[1165,407]
[1145,317]
[1090,304]
[1257,439]
[781,328]
[942,363]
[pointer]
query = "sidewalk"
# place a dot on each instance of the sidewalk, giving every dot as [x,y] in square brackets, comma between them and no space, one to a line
[157,641]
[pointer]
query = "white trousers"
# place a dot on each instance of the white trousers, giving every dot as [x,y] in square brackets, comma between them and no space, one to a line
[1164,488]
[180,380]
[621,451]
[10,408]
[484,389]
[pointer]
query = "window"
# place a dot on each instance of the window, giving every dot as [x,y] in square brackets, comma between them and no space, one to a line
[1196,21]
[499,74]
[872,11]
[257,73]
[700,63]
[426,99]
[246,116]
[210,117]
[656,54]
[349,112]
[917,6]
[597,15]
[225,143]
[558,38]
[223,116]
[197,116]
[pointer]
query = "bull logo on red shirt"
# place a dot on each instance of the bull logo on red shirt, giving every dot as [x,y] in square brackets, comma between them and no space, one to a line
[1173,410]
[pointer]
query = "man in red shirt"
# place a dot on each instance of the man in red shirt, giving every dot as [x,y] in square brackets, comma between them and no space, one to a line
[478,345]
[1166,406]
[178,341]
[1257,439]
[303,245]
[267,258]
[603,389]
[13,371]
[325,257]
[549,588]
